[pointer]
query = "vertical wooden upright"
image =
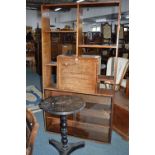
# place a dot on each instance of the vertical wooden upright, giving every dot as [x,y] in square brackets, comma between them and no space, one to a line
[79,37]
[46,48]
[117,41]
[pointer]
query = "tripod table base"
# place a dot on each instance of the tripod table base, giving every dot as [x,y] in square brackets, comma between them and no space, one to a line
[70,147]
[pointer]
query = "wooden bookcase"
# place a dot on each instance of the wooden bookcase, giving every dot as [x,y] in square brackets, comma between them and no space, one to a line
[95,121]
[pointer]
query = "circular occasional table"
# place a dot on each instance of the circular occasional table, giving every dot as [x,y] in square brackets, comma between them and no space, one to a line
[63,106]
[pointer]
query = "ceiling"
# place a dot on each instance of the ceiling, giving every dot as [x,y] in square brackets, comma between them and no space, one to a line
[35,4]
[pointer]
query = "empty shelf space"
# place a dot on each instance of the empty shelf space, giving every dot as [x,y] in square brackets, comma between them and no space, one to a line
[61,31]
[97,46]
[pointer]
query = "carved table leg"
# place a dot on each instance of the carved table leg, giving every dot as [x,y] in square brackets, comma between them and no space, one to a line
[63,130]
[64,148]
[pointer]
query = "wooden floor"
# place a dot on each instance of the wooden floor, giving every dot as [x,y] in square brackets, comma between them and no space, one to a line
[121,114]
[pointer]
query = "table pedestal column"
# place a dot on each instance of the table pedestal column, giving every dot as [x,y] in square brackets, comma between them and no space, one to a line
[64,148]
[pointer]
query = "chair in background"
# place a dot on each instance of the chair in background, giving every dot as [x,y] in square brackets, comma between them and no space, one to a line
[107,81]
[125,85]
[31,131]
[107,33]
[30,55]
[106,30]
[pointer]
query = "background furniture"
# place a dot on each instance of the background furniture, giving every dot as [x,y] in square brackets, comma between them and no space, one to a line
[30,55]
[63,106]
[122,65]
[107,33]
[30,58]
[31,131]
[38,48]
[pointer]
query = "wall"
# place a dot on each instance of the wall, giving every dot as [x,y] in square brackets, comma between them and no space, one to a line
[33,18]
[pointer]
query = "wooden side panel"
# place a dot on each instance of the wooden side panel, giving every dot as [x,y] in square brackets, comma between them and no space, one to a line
[77,75]
[46,48]
[79,36]
[121,121]
[127,89]
[117,41]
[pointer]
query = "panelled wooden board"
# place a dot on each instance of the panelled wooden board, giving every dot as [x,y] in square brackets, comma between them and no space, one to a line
[77,74]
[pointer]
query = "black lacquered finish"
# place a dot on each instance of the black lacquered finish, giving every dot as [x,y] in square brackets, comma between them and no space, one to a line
[63,106]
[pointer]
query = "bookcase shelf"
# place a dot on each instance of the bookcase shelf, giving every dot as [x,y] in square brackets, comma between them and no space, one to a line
[61,31]
[97,46]
[92,121]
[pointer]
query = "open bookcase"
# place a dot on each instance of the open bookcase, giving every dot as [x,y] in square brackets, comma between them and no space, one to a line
[95,121]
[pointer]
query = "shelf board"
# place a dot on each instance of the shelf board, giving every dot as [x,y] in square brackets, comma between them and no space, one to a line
[97,46]
[61,31]
[100,4]
[62,5]
[52,64]
[100,92]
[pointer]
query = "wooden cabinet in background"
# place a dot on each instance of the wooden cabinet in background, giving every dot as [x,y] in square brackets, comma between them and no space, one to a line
[38,47]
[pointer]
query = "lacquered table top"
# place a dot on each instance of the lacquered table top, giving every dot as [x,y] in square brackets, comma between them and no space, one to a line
[62,105]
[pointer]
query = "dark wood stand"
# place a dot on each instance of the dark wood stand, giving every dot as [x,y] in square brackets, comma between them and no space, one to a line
[64,106]
[64,147]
